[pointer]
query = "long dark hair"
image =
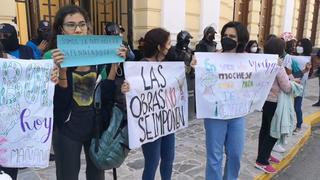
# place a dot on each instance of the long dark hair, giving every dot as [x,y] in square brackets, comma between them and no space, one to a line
[154,38]
[250,43]
[242,33]
[59,19]
[1,50]
[274,46]
[290,47]
[307,46]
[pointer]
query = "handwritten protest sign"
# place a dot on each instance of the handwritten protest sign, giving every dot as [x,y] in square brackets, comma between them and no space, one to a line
[157,103]
[232,85]
[89,50]
[26,112]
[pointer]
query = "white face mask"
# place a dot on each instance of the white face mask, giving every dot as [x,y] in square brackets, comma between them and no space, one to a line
[254,49]
[299,49]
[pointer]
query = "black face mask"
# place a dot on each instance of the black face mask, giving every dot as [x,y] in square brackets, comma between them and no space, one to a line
[210,37]
[44,35]
[228,44]
[183,44]
[11,43]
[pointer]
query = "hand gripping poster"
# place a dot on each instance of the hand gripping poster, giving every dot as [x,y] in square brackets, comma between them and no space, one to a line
[26,112]
[157,103]
[231,85]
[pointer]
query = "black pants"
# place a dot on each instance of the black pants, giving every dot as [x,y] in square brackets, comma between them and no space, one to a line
[12,172]
[266,142]
[67,157]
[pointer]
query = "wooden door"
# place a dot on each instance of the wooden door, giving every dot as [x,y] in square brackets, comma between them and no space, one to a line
[103,11]
[241,8]
[265,20]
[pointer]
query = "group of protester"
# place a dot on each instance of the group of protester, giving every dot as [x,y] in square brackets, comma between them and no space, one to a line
[73,100]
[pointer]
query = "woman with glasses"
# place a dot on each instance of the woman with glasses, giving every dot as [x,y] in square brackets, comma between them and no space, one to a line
[73,100]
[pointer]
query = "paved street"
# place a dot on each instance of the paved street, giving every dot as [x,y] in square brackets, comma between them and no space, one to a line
[190,150]
[306,164]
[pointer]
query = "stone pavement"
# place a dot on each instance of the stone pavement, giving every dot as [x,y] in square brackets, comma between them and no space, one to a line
[190,159]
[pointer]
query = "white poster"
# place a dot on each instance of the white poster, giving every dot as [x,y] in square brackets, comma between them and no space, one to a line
[157,103]
[231,85]
[26,112]
[301,60]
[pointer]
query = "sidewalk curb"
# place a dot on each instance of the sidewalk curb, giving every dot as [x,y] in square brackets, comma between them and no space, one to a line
[311,120]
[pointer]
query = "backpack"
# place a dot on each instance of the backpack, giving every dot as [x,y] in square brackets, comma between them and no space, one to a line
[109,147]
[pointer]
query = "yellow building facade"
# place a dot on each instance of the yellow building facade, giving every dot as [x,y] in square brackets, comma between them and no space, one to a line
[262,17]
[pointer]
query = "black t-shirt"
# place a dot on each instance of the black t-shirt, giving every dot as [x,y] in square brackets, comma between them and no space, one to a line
[79,126]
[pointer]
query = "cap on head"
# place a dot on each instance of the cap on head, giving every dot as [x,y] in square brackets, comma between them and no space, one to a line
[44,25]
[112,28]
[7,28]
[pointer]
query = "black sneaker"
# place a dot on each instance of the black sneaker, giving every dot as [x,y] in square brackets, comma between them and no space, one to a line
[316,104]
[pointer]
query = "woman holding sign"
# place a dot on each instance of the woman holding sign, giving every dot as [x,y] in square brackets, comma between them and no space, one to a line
[281,83]
[73,100]
[12,172]
[304,48]
[228,134]
[156,45]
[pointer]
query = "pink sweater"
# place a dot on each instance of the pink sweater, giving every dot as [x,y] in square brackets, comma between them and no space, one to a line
[281,82]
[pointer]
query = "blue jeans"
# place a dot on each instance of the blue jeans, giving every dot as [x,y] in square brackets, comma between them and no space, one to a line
[298,110]
[161,148]
[231,135]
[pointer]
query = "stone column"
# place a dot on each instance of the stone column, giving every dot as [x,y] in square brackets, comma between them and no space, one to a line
[173,17]
[288,16]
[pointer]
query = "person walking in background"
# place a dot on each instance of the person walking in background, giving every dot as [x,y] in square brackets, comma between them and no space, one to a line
[281,83]
[156,45]
[252,47]
[207,43]
[40,43]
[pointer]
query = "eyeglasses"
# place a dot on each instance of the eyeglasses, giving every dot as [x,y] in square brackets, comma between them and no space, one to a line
[73,26]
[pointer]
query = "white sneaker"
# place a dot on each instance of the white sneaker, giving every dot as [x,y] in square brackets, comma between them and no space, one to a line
[278,148]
